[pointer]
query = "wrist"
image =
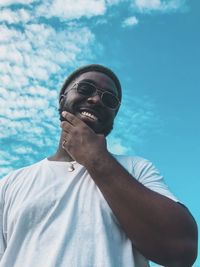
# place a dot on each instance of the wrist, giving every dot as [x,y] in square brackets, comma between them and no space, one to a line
[99,162]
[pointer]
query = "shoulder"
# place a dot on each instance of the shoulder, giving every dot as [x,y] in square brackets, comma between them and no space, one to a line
[146,173]
[134,164]
[19,173]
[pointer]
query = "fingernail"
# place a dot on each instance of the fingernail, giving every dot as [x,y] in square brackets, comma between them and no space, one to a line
[64,113]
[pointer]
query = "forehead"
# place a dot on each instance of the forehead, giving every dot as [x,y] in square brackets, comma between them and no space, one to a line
[100,79]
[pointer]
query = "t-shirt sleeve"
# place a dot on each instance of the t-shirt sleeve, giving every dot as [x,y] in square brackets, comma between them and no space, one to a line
[147,174]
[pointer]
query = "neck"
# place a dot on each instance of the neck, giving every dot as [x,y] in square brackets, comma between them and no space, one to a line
[61,154]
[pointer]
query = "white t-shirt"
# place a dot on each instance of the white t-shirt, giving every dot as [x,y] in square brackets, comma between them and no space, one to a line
[50,217]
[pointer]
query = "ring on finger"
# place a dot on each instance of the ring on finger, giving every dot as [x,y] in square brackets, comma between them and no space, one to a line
[65,141]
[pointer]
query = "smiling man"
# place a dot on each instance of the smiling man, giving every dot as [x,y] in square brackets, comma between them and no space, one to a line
[83,206]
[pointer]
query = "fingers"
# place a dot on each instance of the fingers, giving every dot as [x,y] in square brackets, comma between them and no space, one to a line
[72,123]
[72,119]
[66,126]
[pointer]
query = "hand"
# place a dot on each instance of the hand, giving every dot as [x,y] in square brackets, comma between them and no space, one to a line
[80,141]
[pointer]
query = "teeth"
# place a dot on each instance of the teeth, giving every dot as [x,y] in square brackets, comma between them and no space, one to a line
[87,114]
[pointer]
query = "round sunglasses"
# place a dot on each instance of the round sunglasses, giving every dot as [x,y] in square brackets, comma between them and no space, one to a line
[88,89]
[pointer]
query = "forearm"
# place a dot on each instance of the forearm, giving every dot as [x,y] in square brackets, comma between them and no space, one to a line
[159,227]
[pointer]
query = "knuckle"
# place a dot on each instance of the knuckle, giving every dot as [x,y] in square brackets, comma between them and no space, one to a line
[64,124]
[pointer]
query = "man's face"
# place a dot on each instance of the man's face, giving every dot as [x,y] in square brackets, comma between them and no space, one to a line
[90,109]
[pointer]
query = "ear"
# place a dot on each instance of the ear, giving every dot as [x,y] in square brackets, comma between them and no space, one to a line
[61,99]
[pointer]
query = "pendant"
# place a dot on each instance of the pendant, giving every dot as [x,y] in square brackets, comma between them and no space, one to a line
[71,167]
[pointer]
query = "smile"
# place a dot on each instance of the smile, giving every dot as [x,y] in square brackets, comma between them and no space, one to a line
[89,115]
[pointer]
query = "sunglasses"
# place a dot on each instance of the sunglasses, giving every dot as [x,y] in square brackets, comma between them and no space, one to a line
[88,89]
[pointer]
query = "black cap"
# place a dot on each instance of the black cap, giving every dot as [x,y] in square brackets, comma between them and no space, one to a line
[92,67]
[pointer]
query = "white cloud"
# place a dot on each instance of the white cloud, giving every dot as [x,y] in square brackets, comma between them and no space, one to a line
[148,4]
[131,133]
[68,9]
[34,60]
[35,57]
[158,5]
[9,16]
[114,2]
[73,10]
[131,21]
[34,54]
[115,146]
[28,56]
[10,2]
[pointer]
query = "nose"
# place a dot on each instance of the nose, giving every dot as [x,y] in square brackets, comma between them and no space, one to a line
[95,99]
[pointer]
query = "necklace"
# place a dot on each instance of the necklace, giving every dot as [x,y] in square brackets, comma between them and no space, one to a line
[71,167]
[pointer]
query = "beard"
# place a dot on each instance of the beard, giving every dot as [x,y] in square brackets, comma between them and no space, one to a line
[105,130]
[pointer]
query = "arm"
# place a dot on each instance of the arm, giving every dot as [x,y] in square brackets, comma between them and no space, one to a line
[161,229]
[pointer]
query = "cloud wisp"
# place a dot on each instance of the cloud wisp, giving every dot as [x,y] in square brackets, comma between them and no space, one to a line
[35,58]
[4,3]
[67,9]
[40,43]
[147,6]
[129,22]
[136,119]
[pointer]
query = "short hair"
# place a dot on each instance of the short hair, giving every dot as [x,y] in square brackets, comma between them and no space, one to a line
[92,67]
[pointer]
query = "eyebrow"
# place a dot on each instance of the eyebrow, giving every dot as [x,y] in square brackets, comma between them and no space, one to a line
[94,83]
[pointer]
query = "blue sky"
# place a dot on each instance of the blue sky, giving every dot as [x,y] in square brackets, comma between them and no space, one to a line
[152,45]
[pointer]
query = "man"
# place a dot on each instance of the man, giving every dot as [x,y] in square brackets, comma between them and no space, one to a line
[84,207]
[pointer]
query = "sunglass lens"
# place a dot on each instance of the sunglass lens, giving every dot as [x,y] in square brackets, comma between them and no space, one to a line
[110,100]
[85,89]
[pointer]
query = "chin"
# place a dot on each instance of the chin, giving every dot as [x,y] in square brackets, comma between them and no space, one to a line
[105,131]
